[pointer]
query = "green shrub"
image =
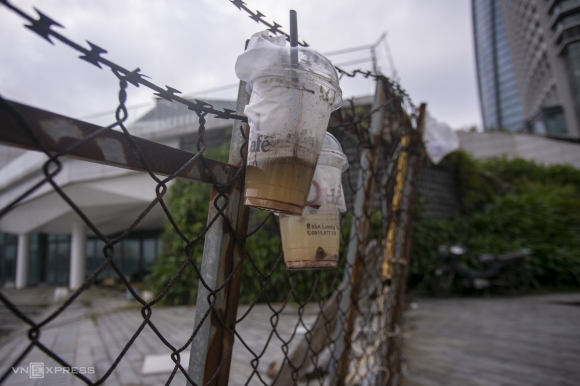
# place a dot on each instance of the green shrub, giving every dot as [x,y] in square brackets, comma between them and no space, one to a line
[545,219]
[508,205]
[188,205]
[264,274]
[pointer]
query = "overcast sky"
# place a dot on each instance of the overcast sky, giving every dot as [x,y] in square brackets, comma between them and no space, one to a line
[192,45]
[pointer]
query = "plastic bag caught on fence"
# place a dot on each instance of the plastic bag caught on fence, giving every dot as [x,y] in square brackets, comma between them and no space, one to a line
[326,188]
[271,56]
[439,138]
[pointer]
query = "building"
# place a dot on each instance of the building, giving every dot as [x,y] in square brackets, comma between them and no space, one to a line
[43,241]
[541,39]
[498,94]
[540,149]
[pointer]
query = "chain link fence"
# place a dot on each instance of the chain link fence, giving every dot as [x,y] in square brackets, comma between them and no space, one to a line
[336,327]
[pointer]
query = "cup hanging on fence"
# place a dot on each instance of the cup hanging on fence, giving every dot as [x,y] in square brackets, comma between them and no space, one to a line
[312,241]
[293,91]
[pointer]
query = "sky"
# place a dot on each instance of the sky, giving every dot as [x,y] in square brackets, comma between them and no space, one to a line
[192,45]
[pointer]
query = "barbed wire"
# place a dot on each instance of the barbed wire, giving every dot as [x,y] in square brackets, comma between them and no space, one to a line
[258,18]
[43,28]
[274,28]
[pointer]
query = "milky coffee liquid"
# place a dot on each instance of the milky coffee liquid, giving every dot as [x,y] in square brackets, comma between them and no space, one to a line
[287,124]
[282,179]
[311,241]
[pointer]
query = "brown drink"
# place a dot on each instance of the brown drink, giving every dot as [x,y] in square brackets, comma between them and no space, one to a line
[279,184]
[311,241]
[285,142]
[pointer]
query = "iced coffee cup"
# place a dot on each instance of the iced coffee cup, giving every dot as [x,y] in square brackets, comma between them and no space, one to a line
[293,91]
[312,241]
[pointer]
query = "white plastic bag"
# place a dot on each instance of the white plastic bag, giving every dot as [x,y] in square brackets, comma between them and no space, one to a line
[271,56]
[439,139]
[262,56]
[326,189]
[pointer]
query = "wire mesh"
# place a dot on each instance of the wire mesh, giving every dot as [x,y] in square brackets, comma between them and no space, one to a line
[315,327]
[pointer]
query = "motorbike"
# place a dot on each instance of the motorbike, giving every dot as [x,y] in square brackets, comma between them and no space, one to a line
[507,274]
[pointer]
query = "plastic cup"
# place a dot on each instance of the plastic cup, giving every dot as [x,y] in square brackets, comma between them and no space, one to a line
[281,162]
[293,91]
[312,241]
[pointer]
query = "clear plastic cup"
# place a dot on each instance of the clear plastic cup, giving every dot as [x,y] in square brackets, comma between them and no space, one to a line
[293,91]
[312,241]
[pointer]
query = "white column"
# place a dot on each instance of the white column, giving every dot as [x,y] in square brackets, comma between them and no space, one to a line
[22,257]
[78,258]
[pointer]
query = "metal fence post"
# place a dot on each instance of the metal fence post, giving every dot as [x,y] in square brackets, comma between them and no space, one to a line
[363,204]
[398,249]
[211,348]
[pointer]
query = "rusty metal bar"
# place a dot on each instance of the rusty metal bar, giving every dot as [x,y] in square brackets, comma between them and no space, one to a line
[211,348]
[398,261]
[369,161]
[113,148]
[402,164]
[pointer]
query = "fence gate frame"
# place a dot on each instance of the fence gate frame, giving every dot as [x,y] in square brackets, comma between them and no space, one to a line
[369,162]
[223,253]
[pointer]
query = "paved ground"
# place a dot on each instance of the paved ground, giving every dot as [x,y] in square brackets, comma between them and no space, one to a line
[533,340]
[32,302]
[94,331]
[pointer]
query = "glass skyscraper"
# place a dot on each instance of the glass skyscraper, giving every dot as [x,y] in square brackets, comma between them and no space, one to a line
[528,65]
[498,91]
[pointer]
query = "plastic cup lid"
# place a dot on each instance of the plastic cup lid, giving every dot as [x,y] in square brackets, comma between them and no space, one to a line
[313,62]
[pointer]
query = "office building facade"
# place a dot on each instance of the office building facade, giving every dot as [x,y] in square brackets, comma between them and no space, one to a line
[542,40]
[37,237]
[498,93]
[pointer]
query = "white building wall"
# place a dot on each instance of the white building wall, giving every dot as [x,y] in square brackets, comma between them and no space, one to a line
[530,147]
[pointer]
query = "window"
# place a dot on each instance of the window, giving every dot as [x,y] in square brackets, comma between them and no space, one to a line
[135,256]
[8,246]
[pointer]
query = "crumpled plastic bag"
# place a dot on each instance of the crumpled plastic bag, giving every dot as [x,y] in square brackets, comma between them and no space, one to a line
[271,56]
[326,188]
[439,139]
[261,57]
